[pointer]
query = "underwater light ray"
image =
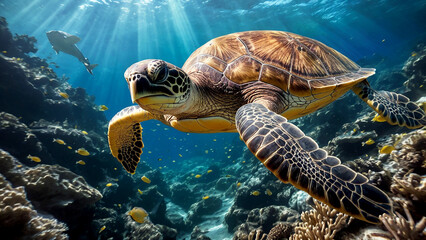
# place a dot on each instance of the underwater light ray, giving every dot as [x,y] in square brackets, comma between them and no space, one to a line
[182,26]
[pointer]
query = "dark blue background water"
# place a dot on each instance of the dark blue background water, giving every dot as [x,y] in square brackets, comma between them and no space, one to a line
[115,34]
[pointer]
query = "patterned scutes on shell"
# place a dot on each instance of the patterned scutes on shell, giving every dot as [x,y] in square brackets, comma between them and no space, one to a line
[283,59]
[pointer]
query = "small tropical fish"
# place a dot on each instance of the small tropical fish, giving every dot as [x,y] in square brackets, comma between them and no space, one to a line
[109,184]
[180,155]
[149,152]
[197,176]
[145,179]
[138,214]
[84,132]
[420,86]
[354,131]
[378,118]
[140,191]
[160,159]
[69,147]
[19,166]
[228,175]
[387,149]
[362,131]
[115,169]
[255,193]
[368,142]
[205,197]
[119,205]
[82,152]
[64,95]
[384,40]
[103,108]
[102,228]
[60,141]
[34,158]
[238,184]
[413,54]
[268,192]
[243,161]
[42,67]
[214,140]
[173,161]
[207,151]
[209,171]
[81,162]
[4,51]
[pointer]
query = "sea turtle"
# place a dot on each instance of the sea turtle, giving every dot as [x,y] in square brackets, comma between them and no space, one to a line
[254,82]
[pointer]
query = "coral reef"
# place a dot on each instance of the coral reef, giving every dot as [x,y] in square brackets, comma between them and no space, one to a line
[321,223]
[414,70]
[402,228]
[19,220]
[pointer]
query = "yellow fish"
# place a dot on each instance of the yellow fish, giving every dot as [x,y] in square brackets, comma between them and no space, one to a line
[60,141]
[4,51]
[82,152]
[119,205]
[238,184]
[115,169]
[206,197]
[383,40]
[378,118]
[214,140]
[228,175]
[173,161]
[84,132]
[34,158]
[268,192]
[69,147]
[139,191]
[160,159]
[368,142]
[255,193]
[180,155]
[354,131]
[64,95]
[19,166]
[197,176]
[138,214]
[243,161]
[102,228]
[387,149]
[81,162]
[145,179]
[209,171]
[103,108]
[109,184]
[413,54]
[207,151]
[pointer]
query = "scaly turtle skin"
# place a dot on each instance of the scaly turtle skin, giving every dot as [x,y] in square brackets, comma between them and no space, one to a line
[253,82]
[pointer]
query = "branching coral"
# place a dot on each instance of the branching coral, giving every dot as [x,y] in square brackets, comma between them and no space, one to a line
[412,186]
[322,223]
[402,228]
[411,154]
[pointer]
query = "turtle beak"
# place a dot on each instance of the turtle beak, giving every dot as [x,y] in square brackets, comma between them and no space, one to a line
[133,91]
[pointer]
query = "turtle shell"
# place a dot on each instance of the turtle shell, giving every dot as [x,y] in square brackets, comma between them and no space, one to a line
[298,65]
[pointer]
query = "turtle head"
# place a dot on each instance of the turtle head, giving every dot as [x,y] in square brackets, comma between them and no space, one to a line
[157,85]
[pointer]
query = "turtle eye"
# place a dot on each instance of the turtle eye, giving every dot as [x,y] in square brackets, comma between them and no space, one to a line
[157,70]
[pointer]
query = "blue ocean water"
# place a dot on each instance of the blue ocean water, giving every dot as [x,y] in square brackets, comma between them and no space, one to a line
[118,33]
[115,34]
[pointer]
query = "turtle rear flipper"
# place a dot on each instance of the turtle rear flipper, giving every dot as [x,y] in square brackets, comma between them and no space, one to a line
[125,136]
[293,157]
[397,109]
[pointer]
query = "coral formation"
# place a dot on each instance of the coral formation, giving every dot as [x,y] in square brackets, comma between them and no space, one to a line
[402,228]
[321,223]
[19,220]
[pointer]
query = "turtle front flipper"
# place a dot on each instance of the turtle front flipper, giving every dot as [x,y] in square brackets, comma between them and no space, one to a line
[125,136]
[293,157]
[397,109]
